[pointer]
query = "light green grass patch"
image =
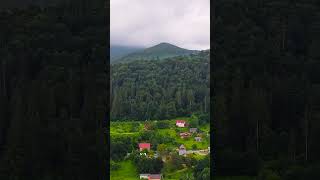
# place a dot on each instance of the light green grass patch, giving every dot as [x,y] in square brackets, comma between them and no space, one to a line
[126,171]
[177,174]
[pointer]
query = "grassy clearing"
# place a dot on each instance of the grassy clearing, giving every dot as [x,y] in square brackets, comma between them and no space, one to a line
[196,156]
[177,174]
[205,128]
[189,142]
[126,171]
[125,127]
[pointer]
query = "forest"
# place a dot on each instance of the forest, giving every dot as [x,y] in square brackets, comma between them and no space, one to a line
[53,86]
[163,89]
[266,89]
[147,96]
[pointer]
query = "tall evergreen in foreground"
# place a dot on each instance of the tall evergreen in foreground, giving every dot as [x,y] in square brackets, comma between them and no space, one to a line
[266,98]
[53,90]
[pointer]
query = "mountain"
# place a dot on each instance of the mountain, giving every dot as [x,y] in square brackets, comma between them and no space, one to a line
[163,89]
[117,52]
[157,52]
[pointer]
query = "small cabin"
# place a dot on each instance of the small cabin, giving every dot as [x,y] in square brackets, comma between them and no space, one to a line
[185,135]
[182,150]
[143,146]
[198,139]
[181,123]
[193,130]
[144,176]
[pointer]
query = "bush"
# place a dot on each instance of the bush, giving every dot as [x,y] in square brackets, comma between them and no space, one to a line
[162,125]
[267,174]
[194,147]
[114,166]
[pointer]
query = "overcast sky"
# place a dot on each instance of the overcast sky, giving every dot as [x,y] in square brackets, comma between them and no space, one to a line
[185,23]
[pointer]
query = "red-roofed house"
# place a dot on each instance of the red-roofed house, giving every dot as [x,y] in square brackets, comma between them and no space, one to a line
[181,123]
[154,177]
[143,146]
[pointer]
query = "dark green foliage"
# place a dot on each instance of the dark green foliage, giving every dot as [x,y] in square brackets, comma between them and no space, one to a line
[194,146]
[266,85]
[114,166]
[120,146]
[148,165]
[163,125]
[194,123]
[144,90]
[202,169]
[53,92]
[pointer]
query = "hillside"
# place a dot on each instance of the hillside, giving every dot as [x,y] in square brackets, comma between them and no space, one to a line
[160,89]
[117,52]
[164,138]
[160,51]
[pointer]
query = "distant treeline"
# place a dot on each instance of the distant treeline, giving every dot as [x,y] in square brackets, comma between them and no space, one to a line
[267,84]
[163,89]
[53,90]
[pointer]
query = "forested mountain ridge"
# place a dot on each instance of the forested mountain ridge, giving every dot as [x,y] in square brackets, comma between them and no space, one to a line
[117,52]
[162,89]
[157,52]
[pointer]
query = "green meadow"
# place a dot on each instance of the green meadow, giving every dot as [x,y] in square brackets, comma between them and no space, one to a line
[126,171]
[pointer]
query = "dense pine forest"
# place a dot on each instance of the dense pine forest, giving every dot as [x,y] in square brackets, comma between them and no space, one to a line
[163,89]
[266,84]
[53,91]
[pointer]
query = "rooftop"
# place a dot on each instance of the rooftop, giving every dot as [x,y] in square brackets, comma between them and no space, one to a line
[155,176]
[144,145]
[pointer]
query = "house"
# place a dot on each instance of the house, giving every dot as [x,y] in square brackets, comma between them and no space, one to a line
[151,176]
[182,150]
[198,139]
[181,123]
[154,177]
[143,146]
[144,176]
[185,135]
[193,130]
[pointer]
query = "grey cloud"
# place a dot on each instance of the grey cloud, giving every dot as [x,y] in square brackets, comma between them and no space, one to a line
[185,23]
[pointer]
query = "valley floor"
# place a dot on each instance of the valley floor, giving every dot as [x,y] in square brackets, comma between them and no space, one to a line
[134,130]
